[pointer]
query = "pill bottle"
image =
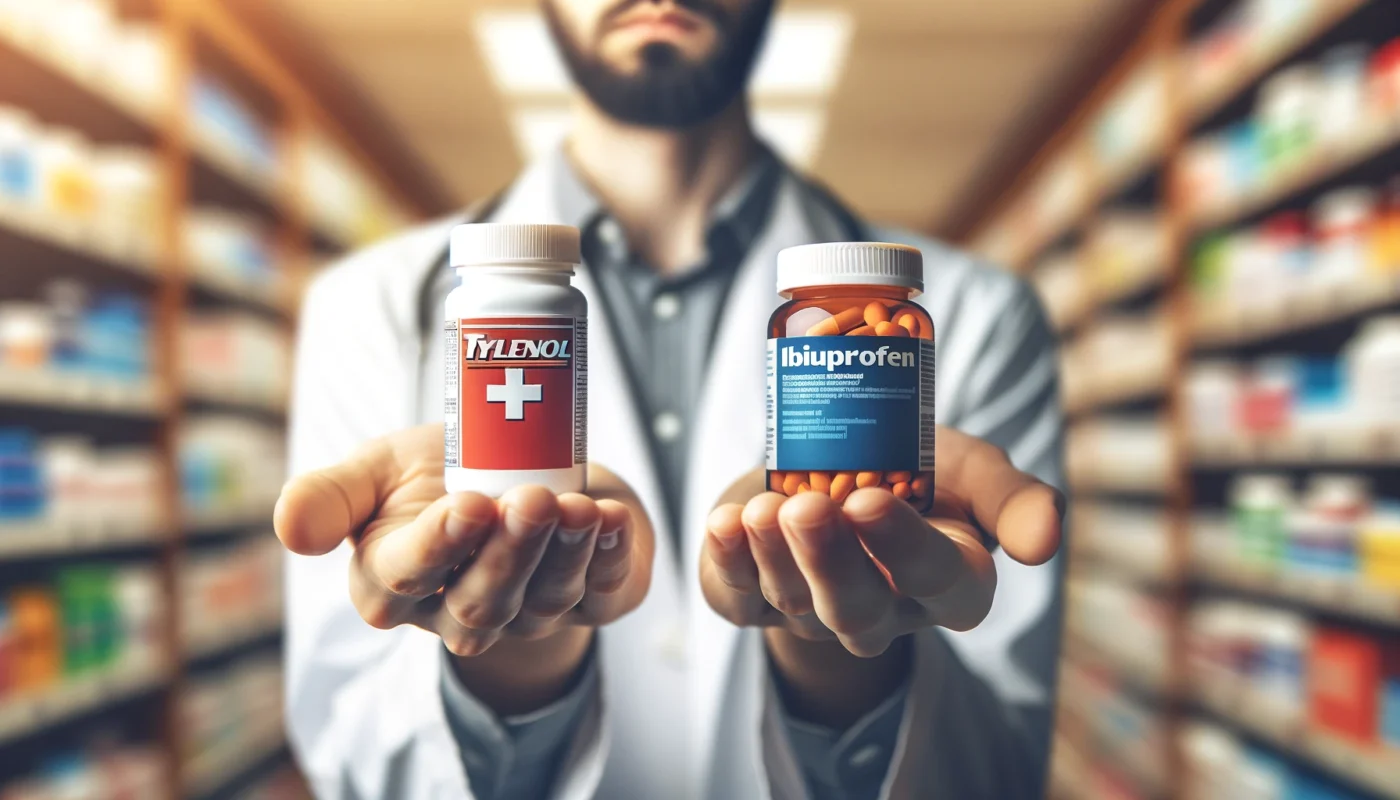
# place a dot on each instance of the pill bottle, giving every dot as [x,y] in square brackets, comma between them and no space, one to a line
[850,373]
[1374,363]
[516,370]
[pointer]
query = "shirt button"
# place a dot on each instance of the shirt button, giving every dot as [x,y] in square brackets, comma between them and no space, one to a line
[864,757]
[666,306]
[610,233]
[666,426]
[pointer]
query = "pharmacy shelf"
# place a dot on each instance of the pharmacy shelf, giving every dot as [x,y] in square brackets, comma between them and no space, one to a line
[1342,597]
[1375,770]
[1142,675]
[1210,97]
[232,166]
[1141,279]
[213,521]
[219,282]
[1120,390]
[57,84]
[1216,325]
[231,637]
[1106,742]
[25,714]
[218,766]
[73,392]
[1125,481]
[1148,573]
[1289,181]
[46,538]
[23,225]
[1361,446]
[1128,170]
[233,394]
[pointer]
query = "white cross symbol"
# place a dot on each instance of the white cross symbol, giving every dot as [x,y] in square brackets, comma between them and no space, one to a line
[515,393]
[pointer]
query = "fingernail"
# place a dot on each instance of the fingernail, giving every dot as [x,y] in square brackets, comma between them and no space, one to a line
[457,527]
[727,542]
[567,536]
[520,527]
[609,540]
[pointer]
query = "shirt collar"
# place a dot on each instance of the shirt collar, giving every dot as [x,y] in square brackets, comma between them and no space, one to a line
[741,212]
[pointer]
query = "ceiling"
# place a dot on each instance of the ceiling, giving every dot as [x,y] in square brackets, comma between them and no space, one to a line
[928,91]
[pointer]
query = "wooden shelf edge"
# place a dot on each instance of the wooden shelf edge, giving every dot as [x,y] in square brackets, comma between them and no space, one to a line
[1378,772]
[1374,140]
[1263,62]
[44,538]
[24,715]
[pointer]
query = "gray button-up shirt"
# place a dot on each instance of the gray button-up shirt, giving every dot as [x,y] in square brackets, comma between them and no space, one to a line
[665,325]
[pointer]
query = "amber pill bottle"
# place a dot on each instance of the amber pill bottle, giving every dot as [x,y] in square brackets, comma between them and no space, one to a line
[851,378]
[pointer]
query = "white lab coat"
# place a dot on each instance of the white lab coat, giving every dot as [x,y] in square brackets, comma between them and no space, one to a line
[687,709]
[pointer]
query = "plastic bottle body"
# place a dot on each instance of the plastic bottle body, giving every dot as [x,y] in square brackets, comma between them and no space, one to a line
[517,347]
[835,349]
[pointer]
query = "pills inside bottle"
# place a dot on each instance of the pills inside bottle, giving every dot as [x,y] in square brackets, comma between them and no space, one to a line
[516,367]
[851,373]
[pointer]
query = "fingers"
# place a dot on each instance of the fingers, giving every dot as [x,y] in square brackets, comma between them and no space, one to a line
[964,604]
[849,595]
[779,578]
[415,560]
[1023,513]
[491,592]
[560,580]
[318,510]
[921,562]
[611,566]
[728,549]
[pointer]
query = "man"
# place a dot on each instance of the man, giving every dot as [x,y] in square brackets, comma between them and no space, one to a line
[675,632]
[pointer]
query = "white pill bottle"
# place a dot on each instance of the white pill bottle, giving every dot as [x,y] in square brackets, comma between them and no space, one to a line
[516,360]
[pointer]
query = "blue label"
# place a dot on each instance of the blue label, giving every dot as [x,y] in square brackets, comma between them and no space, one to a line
[850,403]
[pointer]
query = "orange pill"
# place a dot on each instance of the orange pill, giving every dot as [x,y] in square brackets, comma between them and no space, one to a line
[902,490]
[875,313]
[864,330]
[922,486]
[891,329]
[820,482]
[909,321]
[898,477]
[840,323]
[842,485]
[775,480]
[865,480]
[804,487]
[791,482]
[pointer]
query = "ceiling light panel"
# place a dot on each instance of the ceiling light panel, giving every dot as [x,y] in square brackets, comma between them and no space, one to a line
[539,130]
[795,133]
[520,52]
[804,54]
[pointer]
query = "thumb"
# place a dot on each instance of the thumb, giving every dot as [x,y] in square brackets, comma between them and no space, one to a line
[318,510]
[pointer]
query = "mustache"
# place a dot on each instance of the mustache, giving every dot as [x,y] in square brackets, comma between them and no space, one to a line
[709,9]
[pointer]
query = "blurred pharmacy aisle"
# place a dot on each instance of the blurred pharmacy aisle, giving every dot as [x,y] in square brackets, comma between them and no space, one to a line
[1215,230]
[1218,242]
[165,186]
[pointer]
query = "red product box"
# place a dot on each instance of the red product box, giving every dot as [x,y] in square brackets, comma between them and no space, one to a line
[1344,685]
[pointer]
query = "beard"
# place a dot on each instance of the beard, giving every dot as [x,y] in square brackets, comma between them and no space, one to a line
[668,91]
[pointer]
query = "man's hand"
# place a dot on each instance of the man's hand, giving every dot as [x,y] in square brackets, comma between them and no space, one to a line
[873,569]
[480,573]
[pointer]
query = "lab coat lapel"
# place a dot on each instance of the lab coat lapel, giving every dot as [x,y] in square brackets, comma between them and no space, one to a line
[728,442]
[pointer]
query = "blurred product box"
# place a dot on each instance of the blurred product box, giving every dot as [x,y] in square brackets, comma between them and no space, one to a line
[1344,685]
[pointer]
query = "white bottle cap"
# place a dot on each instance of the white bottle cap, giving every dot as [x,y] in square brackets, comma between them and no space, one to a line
[512,244]
[838,263]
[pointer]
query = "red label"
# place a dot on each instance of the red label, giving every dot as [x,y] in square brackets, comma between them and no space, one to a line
[518,390]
